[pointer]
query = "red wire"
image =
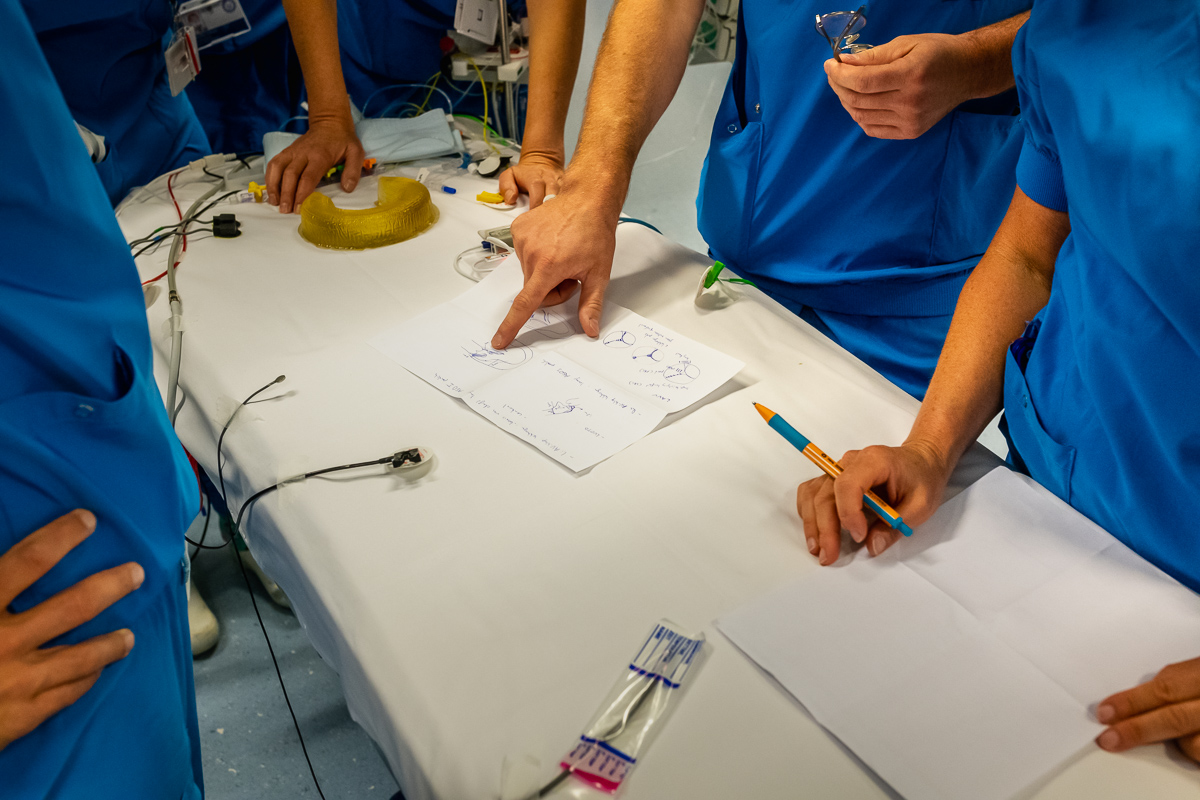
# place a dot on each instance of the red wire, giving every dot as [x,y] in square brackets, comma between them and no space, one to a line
[178,213]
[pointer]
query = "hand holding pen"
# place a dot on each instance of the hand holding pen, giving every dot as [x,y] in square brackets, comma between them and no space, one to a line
[907,481]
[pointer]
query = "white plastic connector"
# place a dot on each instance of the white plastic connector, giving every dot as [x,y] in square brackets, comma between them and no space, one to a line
[210,161]
[512,71]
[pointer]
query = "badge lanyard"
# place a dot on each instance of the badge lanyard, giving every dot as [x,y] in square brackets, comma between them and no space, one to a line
[198,25]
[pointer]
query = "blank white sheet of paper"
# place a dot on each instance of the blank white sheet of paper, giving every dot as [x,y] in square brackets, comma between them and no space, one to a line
[964,662]
[577,399]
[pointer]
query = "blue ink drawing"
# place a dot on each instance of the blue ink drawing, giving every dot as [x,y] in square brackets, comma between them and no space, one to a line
[548,324]
[559,407]
[683,372]
[653,353]
[620,339]
[513,357]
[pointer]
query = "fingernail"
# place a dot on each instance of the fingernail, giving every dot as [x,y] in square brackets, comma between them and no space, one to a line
[821,558]
[127,636]
[86,518]
[496,343]
[1109,740]
[284,209]
[1105,713]
[858,537]
[139,575]
[812,546]
[877,545]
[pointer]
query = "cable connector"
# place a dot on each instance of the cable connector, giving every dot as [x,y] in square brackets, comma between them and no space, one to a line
[413,457]
[226,226]
[209,162]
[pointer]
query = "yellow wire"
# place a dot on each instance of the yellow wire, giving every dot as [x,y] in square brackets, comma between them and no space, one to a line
[435,77]
[486,140]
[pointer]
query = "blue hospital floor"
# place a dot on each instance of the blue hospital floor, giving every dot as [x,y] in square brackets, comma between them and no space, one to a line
[248,743]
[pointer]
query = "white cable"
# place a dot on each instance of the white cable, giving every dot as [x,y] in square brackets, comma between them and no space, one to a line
[177,304]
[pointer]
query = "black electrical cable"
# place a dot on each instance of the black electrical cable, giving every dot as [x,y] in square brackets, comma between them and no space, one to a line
[238,523]
[168,231]
[221,438]
[220,459]
[157,241]
[212,203]
[204,532]
[396,460]
[278,673]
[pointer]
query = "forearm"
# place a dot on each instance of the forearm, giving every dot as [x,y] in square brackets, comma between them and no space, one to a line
[1008,288]
[991,49]
[313,25]
[635,78]
[556,39]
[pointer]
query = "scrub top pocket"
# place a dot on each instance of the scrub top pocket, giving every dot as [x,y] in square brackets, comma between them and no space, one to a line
[1049,462]
[729,186]
[978,181]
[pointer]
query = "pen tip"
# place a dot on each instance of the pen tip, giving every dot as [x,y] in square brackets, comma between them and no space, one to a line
[764,412]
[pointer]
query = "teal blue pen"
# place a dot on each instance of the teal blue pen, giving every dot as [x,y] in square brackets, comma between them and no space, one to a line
[830,467]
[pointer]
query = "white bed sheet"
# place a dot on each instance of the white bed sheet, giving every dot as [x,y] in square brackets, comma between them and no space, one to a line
[480,612]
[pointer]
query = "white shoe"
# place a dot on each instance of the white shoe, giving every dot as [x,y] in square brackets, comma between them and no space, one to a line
[277,596]
[203,623]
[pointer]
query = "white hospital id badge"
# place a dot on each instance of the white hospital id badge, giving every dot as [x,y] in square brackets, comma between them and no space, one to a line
[213,20]
[183,59]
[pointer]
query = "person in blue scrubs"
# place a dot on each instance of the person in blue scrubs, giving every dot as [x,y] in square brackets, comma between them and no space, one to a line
[389,54]
[859,195]
[108,59]
[384,42]
[250,84]
[1098,250]
[82,426]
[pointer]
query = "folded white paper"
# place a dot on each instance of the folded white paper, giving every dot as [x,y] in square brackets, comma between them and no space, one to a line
[964,661]
[577,399]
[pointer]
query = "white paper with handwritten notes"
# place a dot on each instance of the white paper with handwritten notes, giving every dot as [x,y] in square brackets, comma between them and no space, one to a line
[578,400]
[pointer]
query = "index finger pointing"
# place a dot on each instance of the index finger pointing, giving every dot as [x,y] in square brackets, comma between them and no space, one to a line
[527,302]
[36,554]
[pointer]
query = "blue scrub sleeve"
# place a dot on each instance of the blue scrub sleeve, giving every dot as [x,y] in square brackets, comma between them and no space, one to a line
[1040,176]
[1039,170]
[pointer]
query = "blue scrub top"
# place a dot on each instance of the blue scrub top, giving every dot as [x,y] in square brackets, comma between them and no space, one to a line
[82,425]
[250,84]
[108,58]
[390,41]
[797,197]
[1107,412]
[386,42]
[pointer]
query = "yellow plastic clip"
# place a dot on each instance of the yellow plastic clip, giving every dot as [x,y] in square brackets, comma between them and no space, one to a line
[403,210]
[259,191]
[489,197]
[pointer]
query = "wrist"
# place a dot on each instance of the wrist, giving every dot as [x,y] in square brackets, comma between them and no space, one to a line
[544,152]
[937,454]
[986,64]
[331,112]
[603,191]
